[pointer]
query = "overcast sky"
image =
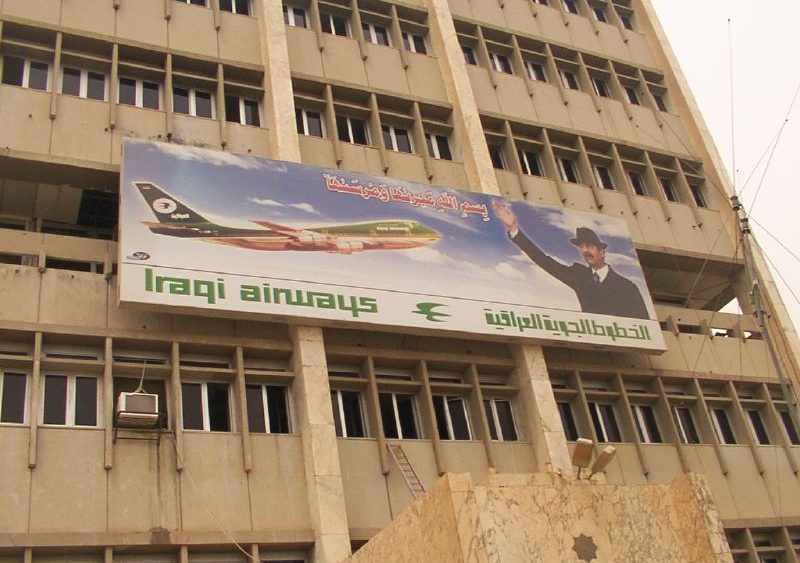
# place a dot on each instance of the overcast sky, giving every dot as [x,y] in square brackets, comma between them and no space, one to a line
[766,75]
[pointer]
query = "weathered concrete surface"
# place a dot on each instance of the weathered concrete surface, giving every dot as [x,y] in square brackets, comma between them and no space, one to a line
[546,518]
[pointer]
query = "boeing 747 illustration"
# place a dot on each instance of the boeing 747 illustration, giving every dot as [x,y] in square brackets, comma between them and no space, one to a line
[176,219]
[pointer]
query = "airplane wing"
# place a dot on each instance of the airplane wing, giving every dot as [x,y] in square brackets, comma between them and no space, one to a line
[302,236]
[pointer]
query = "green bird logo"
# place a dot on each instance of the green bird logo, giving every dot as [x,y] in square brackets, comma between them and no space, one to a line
[427,310]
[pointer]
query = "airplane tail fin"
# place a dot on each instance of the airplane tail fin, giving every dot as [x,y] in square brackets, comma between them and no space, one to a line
[167,208]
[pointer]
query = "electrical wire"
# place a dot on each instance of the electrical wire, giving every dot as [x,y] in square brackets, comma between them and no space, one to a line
[733,128]
[776,239]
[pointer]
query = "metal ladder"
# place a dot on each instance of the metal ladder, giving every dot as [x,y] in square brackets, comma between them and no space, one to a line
[407,470]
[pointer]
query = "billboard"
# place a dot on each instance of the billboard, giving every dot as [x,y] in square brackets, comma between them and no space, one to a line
[207,231]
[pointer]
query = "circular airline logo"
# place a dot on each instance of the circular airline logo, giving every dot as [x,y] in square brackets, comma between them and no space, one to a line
[164,205]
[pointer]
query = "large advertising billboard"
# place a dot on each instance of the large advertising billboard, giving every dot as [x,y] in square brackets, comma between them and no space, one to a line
[205,231]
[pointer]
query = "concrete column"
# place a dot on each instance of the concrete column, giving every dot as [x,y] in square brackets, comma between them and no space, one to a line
[279,108]
[543,420]
[312,397]
[466,119]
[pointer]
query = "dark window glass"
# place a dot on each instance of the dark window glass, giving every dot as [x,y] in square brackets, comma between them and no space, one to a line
[650,432]
[698,195]
[407,416]
[600,14]
[337,421]
[218,411]
[496,154]
[570,81]
[232,109]
[441,145]
[568,170]
[605,423]
[353,423]
[278,407]
[13,69]
[601,87]
[85,401]
[242,7]
[627,23]
[506,419]
[71,83]
[150,95]
[536,72]
[723,425]
[487,406]
[226,5]
[441,417]
[38,76]
[96,86]
[758,427]
[314,120]
[568,421]
[419,44]
[198,2]
[12,408]
[637,183]
[687,430]
[669,190]
[55,399]
[387,137]
[298,119]
[387,415]
[192,406]
[604,176]
[180,100]
[469,55]
[255,408]
[326,23]
[633,97]
[570,6]
[660,103]
[335,25]
[202,104]
[791,431]
[127,91]
[501,63]
[251,116]
[358,128]
[530,163]
[403,140]
[299,17]
[458,418]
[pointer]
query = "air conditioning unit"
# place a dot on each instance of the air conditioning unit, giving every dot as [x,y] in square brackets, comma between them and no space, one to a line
[137,410]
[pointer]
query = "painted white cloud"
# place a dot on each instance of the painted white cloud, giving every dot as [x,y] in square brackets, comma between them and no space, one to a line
[602,225]
[305,207]
[216,158]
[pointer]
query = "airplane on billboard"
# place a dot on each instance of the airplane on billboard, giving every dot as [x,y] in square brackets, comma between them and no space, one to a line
[176,219]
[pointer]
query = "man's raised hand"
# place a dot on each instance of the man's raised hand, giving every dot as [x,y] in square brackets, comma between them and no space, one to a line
[506,216]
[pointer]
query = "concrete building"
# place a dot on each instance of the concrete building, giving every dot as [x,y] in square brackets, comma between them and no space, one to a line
[574,103]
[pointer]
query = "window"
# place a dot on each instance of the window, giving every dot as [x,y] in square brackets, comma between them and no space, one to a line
[267,409]
[646,425]
[235,6]
[414,43]
[601,87]
[206,406]
[195,2]
[399,416]
[757,427]
[295,17]
[568,421]
[242,111]
[698,195]
[348,414]
[660,103]
[83,83]
[501,420]
[469,55]
[633,97]
[352,130]
[335,25]
[496,154]
[500,63]
[626,20]
[722,426]
[605,423]
[139,93]
[687,432]
[568,170]
[376,34]
[669,189]
[530,163]
[536,71]
[603,176]
[438,147]
[542,2]
[26,73]
[309,122]
[570,6]
[13,394]
[791,431]
[451,418]
[397,139]
[568,79]
[637,183]
[191,101]
[600,14]
[70,400]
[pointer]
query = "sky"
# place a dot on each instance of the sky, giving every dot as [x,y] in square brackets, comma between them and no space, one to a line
[764,44]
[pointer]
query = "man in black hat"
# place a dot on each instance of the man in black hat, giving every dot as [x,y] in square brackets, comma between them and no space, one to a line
[598,287]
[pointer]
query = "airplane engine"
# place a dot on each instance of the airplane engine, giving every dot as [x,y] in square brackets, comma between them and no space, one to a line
[312,239]
[348,247]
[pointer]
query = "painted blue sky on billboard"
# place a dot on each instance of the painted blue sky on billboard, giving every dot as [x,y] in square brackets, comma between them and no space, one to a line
[474,259]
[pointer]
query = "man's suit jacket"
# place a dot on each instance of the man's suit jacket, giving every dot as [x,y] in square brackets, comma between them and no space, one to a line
[615,295]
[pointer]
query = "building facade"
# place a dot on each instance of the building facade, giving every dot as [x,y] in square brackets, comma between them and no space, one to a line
[277,435]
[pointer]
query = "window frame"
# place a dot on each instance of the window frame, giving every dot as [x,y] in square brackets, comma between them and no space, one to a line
[350,118]
[26,73]
[600,86]
[341,414]
[570,7]
[566,407]
[601,179]
[497,150]
[758,430]
[434,149]
[469,55]
[449,420]
[680,425]
[602,431]
[641,183]
[139,93]
[25,397]
[410,42]
[70,406]
[242,112]
[789,427]
[234,9]
[304,118]
[525,156]
[195,2]
[599,13]
[265,411]
[331,18]
[668,188]
[569,79]
[83,83]
[648,430]
[632,95]
[290,16]
[192,95]
[396,413]
[392,131]
[717,426]
[204,406]
[500,63]
[536,71]
[370,30]
[494,422]
[573,167]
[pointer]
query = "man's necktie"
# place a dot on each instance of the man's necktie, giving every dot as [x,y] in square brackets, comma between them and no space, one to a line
[596,277]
